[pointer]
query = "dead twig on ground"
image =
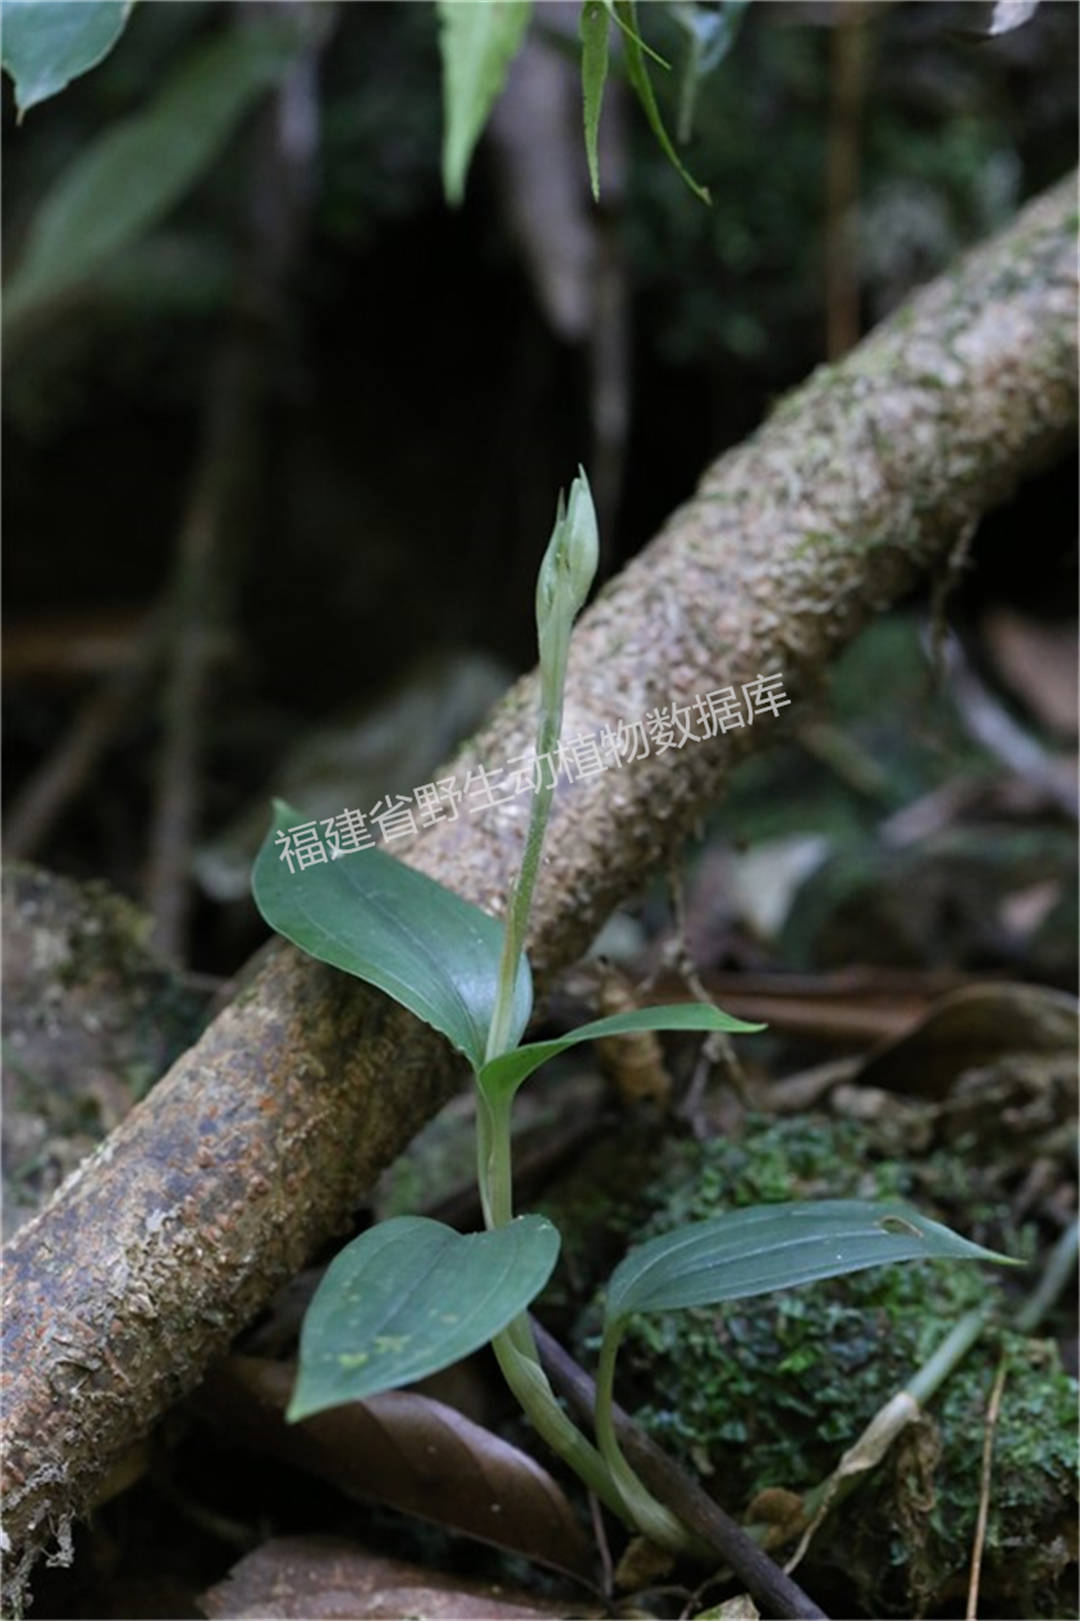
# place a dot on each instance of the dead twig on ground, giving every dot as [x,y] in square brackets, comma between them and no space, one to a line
[992,1411]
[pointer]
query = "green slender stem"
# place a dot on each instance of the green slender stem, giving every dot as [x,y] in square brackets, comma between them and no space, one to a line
[520,901]
[956,1344]
[515,1347]
[651,1517]
[529,1383]
[1059,1269]
[493,1157]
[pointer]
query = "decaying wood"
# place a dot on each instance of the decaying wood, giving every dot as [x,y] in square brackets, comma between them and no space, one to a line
[261,1139]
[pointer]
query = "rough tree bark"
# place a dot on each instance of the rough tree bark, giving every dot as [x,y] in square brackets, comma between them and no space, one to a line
[261,1139]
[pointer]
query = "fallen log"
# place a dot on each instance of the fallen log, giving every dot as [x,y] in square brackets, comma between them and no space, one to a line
[261,1139]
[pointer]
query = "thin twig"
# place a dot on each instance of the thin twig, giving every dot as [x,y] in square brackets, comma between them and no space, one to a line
[717,1047]
[766,1583]
[45,795]
[992,1411]
[607,1569]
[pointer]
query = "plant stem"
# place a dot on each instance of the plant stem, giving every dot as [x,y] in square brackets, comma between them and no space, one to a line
[493,1157]
[956,1344]
[565,577]
[1059,1269]
[515,1348]
[651,1517]
[773,1590]
[609,1476]
[520,901]
[522,1371]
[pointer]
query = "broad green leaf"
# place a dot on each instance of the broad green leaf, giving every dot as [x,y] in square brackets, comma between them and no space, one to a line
[131,176]
[638,74]
[47,43]
[411,1296]
[778,1246]
[395,928]
[595,27]
[506,1073]
[479,39]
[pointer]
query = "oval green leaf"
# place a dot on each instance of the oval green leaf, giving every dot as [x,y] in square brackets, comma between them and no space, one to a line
[396,928]
[778,1246]
[412,1296]
[506,1073]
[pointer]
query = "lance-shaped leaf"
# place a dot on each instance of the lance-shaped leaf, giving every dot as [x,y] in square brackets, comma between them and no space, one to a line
[411,1296]
[506,1073]
[779,1246]
[625,14]
[595,26]
[46,46]
[396,928]
[479,39]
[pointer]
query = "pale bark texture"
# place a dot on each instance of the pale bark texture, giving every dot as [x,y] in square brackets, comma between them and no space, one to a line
[261,1139]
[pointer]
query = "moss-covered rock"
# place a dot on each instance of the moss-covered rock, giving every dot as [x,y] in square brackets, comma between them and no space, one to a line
[768,1392]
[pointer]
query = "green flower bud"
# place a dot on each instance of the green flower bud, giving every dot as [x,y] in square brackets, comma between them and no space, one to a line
[569,566]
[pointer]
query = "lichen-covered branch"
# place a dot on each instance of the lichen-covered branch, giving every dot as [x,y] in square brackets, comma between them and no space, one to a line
[261,1139]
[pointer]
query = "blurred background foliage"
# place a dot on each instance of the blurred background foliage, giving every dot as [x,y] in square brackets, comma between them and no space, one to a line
[420,380]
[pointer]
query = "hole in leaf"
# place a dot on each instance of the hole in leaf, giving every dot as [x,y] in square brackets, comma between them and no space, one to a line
[897,1224]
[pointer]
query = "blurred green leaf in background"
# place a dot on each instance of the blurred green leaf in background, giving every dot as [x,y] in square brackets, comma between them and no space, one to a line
[130,176]
[479,41]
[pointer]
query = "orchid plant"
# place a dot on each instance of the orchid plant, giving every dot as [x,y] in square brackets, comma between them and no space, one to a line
[410,1295]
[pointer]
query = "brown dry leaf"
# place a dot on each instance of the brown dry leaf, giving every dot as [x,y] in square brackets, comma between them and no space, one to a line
[969,1029]
[779,1512]
[330,1579]
[410,1452]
